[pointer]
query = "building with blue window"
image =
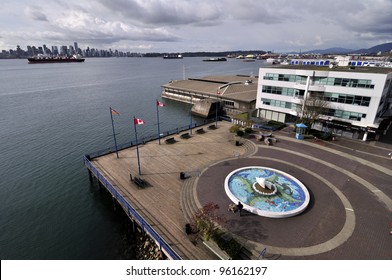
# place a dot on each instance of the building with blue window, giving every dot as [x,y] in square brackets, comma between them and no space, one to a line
[359,98]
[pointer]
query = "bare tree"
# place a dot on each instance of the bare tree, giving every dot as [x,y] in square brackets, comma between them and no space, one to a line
[311,108]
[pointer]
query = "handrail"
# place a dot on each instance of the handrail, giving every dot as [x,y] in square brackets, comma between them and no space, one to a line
[163,245]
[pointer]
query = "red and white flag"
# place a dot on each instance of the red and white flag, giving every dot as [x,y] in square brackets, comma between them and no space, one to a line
[160,104]
[138,121]
[114,112]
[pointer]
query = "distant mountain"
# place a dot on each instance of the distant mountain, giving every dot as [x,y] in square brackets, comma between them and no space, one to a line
[330,51]
[373,50]
[387,47]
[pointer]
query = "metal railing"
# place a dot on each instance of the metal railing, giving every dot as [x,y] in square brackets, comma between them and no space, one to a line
[163,245]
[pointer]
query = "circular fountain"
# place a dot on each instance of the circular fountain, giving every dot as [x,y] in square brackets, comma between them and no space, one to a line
[267,192]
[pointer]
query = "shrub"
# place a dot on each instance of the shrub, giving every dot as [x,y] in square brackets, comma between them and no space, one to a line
[248,130]
[277,125]
[229,245]
[234,128]
[240,133]
[205,220]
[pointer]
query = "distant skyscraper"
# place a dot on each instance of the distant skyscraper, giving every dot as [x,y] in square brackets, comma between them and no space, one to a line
[76,47]
[63,50]
[71,50]
[55,50]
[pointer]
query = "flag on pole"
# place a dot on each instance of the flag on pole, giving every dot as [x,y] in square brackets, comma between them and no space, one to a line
[138,121]
[160,104]
[114,112]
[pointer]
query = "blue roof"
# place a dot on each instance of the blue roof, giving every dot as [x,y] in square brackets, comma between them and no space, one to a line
[301,125]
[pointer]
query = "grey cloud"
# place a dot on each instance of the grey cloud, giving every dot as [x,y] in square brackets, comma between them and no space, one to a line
[165,12]
[35,13]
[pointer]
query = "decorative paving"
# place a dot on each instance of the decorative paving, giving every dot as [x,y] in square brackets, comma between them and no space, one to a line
[285,197]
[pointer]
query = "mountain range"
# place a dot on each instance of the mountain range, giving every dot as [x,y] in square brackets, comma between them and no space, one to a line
[387,47]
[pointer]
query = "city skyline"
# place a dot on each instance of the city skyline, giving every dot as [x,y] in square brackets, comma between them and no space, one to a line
[63,50]
[191,26]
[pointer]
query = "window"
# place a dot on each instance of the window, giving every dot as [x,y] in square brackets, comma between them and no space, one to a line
[229,103]
[347,99]
[346,114]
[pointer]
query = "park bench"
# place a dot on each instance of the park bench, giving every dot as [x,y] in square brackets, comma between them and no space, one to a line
[185,136]
[170,140]
[212,126]
[140,182]
[200,131]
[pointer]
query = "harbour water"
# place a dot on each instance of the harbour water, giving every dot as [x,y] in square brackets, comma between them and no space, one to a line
[52,114]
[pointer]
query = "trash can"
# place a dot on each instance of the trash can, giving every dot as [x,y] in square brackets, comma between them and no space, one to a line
[237,143]
[182,176]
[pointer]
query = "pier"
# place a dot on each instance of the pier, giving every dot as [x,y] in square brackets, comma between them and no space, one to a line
[166,200]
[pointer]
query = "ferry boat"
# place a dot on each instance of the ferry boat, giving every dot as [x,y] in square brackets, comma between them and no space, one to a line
[55,59]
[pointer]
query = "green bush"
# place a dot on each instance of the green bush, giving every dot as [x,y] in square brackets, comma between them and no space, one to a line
[230,246]
[276,124]
[248,130]
[234,128]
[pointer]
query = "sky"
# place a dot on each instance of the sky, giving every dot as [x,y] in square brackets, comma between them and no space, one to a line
[196,25]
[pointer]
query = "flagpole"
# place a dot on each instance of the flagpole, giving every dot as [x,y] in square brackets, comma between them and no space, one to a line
[190,114]
[114,134]
[137,147]
[159,131]
[216,109]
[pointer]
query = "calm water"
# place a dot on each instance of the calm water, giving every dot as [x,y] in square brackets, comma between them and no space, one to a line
[50,115]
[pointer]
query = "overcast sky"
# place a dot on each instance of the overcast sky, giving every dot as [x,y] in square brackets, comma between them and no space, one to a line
[196,25]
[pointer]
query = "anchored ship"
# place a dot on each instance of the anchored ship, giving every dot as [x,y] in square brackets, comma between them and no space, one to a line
[172,56]
[55,59]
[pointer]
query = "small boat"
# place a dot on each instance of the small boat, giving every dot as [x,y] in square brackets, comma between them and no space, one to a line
[215,59]
[54,59]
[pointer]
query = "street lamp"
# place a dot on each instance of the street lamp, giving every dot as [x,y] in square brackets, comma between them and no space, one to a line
[216,108]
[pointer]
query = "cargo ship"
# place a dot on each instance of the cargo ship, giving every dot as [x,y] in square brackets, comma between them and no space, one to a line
[55,59]
[215,59]
[172,56]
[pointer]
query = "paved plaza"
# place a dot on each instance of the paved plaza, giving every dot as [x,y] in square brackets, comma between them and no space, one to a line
[350,211]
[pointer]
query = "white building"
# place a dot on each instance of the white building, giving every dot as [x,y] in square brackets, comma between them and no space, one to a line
[360,99]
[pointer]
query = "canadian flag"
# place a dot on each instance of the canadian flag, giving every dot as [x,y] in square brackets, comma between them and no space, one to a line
[138,121]
[160,104]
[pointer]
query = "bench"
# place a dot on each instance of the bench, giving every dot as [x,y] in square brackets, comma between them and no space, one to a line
[200,131]
[212,126]
[140,182]
[185,136]
[170,140]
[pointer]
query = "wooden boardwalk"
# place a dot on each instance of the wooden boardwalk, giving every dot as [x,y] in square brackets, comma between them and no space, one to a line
[161,203]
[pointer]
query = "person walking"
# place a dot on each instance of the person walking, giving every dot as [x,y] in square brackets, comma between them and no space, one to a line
[240,206]
[390,154]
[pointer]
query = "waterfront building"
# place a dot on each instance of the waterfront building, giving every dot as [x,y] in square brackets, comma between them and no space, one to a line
[235,94]
[359,98]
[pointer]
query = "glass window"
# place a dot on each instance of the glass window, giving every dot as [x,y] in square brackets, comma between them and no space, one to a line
[341,98]
[365,101]
[349,99]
